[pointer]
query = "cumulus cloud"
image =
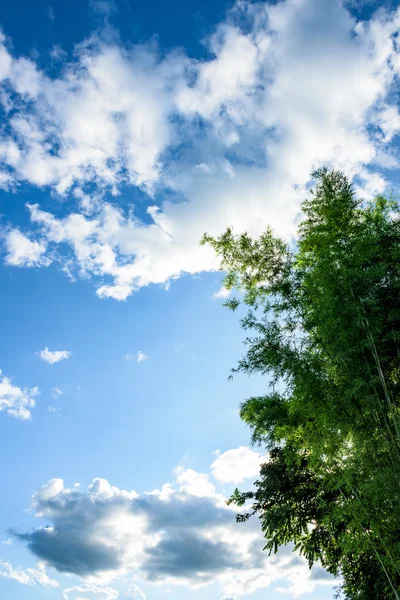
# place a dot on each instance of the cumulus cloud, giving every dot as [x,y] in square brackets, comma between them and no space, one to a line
[288,87]
[16,401]
[390,122]
[23,252]
[87,126]
[28,576]
[181,534]
[52,357]
[237,465]
[223,292]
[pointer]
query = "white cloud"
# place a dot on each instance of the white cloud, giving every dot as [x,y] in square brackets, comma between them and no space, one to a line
[237,465]
[56,392]
[135,593]
[100,592]
[300,585]
[28,576]
[25,78]
[23,252]
[5,59]
[390,122]
[16,401]
[182,534]
[141,356]
[54,356]
[195,484]
[300,85]
[89,126]
[223,292]
[224,82]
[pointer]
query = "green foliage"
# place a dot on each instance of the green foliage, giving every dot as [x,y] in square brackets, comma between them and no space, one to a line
[323,323]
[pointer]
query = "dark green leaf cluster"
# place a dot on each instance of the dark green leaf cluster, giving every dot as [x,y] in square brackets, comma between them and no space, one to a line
[323,323]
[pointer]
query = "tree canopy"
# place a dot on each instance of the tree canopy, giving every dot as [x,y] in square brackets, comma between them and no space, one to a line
[323,324]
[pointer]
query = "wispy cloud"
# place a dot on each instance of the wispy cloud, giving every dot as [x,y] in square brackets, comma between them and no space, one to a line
[56,393]
[53,356]
[101,592]
[223,292]
[50,13]
[16,401]
[139,356]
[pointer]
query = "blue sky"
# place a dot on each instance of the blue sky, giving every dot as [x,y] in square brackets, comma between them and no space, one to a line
[128,130]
